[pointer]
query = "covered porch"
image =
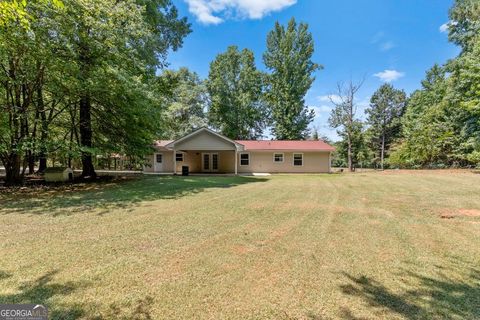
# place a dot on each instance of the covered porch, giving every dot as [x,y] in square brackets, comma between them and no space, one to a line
[205,152]
[206,161]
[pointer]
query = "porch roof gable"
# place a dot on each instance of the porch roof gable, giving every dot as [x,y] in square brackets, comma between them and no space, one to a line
[197,133]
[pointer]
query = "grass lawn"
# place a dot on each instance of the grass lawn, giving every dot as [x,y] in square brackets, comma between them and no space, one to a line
[396,245]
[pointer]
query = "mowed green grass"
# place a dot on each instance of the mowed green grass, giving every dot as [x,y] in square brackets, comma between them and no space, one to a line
[341,246]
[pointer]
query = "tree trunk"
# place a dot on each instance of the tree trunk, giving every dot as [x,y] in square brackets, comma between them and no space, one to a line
[85,120]
[31,162]
[42,155]
[382,152]
[42,163]
[349,154]
[12,170]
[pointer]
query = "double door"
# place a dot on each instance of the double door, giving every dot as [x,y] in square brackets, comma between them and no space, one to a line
[209,162]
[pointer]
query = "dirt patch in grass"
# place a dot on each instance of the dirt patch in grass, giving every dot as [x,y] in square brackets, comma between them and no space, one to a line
[239,249]
[450,214]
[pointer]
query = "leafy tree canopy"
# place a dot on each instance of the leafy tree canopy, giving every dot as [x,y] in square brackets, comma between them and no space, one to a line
[235,87]
[289,58]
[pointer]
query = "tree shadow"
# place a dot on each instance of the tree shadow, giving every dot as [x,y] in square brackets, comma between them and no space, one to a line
[41,291]
[45,291]
[66,200]
[431,297]
[140,310]
[4,275]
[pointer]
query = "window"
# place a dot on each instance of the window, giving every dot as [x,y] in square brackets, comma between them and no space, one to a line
[278,157]
[159,158]
[298,159]
[179,157]
[244,159]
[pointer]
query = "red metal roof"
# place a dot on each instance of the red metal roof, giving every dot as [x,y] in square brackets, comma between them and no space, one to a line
[297,145]
[300,145]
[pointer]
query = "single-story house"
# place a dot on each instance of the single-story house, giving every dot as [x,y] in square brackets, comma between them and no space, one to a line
[206,151]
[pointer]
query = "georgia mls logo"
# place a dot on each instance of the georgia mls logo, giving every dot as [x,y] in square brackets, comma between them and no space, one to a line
[23,312]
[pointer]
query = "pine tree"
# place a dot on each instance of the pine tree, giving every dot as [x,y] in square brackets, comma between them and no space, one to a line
[387,106]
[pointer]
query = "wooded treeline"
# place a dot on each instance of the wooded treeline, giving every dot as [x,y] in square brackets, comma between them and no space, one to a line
[437,126]
[78,79]
[81,79]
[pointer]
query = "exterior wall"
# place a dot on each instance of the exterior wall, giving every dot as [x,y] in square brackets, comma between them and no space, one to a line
[192,159]
[262,162]
[148,166]
[204,141]
[167,162]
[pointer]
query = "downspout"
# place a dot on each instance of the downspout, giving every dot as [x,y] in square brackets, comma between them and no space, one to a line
[174,161]
[330,162]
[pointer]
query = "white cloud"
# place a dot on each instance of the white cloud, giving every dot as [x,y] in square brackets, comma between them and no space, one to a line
[216,11]
[443,27]
[329,98]
[389,75]
[321,109]
[387,46]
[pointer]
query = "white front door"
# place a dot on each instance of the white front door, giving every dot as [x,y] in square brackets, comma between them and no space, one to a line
[210,162]
[158,165]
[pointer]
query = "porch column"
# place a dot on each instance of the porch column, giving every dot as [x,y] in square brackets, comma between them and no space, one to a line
[236,160]
[330,162]
[174,162]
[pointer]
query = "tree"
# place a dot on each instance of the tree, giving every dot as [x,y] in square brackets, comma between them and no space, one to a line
[343,114]
[186,103]
[433,127]
[289,58]
[358,147]
[80,81]
[25,55]
[235,87]
[464,25]
[384,114]
[464,92]
[116,50]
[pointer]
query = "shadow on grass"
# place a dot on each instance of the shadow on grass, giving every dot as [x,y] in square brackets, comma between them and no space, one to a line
[440,297]
[45,291]
[42,291]
[139,310]
[116,194]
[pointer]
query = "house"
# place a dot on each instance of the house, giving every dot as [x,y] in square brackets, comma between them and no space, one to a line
[206,151]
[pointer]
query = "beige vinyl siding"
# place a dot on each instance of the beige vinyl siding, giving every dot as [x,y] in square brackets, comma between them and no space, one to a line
[167,162]
[262,161]
[259,161]
[204,141]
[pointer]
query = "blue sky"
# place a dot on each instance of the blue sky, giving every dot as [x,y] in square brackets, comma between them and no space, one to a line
[381,40]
